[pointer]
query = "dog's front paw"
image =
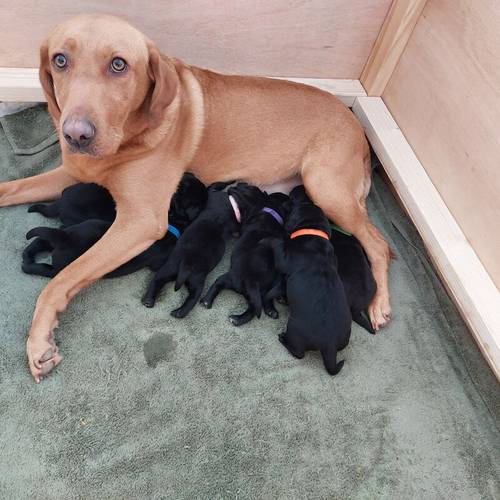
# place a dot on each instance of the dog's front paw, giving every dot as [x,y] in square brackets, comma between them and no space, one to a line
[43,355]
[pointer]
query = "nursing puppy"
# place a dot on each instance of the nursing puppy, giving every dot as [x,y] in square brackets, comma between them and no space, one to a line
[79,203]
[253,273]
[356,275]
[69,242]
[320,317]
[202,245]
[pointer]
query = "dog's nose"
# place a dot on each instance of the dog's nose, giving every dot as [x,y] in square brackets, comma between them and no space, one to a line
[78,132]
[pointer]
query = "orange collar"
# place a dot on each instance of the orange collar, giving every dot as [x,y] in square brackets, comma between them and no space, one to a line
[309,232]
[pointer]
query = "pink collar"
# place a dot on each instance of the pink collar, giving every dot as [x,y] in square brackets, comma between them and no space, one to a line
[236,209]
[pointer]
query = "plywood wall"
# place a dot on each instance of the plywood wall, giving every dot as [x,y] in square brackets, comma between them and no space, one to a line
[445,96]
[303,38]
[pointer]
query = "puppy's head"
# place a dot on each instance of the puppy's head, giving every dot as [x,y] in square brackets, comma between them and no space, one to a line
[304,214]
[105,82]
[189,199]
[249,199]
[281,203]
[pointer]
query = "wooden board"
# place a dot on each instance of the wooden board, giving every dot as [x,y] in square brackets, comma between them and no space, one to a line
[391,41]
[22,85]
[471,286]
[315,38]
[445,96]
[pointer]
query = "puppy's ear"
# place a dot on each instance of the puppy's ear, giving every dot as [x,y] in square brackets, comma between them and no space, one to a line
[165,83]
[45,76]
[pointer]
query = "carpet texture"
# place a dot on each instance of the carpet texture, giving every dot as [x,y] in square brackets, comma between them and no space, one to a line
[148,406]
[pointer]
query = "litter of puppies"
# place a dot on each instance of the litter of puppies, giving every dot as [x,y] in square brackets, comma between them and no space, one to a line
[287,250]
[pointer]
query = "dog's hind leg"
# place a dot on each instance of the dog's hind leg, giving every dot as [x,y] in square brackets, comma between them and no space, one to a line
[269,309]
[194,290]
[329,355]
[49,210]
[245,317]
[339,186]
[221,283]
[161,278]
[35,247]
[40,269]
[292,342]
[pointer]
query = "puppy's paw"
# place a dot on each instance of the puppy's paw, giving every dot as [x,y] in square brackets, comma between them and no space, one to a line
[178,313]
[148,302]
[206,304]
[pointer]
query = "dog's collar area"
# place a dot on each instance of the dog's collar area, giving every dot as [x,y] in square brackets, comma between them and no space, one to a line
[340,230]
[236,208]
[174,231]
[277,217]
[309,232]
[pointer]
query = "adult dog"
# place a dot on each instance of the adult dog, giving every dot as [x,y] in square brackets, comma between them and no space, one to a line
[134,120]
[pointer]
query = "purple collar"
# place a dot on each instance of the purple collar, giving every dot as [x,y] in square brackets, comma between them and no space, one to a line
[276,215]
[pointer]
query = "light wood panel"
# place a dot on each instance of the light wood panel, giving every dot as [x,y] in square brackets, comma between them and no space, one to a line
[445,96]
[315,38]
[391,41]
[465,276]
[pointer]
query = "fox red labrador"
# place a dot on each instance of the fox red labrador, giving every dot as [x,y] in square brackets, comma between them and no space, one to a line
[134,120]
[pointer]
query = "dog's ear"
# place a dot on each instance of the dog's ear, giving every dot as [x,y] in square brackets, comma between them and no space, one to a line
[45,77]
[165,83]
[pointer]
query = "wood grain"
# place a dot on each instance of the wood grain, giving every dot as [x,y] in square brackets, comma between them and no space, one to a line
[466,278]
[445,96]
[391,41]
[310,38]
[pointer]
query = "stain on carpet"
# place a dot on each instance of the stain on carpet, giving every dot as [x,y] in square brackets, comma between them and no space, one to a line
[159,347]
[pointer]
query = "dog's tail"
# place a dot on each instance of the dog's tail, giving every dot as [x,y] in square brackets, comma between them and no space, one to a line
[55,236]
[254,296]
[50,210]
[363,320]
[182,274]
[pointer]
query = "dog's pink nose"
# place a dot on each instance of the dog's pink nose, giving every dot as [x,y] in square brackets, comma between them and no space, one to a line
[78,132]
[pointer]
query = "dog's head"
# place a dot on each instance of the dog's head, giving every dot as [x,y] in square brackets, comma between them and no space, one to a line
[189,200]
[105,83]
[281,203]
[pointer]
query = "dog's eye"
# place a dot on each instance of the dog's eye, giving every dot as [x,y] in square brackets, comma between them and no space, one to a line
[118,65]
[60,61]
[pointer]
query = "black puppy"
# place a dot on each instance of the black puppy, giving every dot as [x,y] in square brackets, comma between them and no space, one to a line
[320,317]
[68,243]
[252,273]
[356,275]
[79,203]
[202,245]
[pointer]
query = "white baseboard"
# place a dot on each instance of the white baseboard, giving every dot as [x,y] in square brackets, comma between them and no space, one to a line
[22,85]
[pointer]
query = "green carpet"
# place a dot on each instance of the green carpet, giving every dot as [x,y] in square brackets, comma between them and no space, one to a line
[147,406]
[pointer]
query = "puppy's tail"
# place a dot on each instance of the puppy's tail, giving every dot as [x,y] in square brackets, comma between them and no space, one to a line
[182,274]
[254,296]
[55,236]
[51,210]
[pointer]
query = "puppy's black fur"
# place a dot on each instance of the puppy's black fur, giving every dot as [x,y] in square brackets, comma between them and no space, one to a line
[252,273]
[356,275]
[201,247]
[69,242]
[79,203]
[320,317]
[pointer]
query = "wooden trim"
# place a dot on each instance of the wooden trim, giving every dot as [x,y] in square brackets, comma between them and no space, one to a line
[346,90]
[470,285]
[390,44]
[22,85]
